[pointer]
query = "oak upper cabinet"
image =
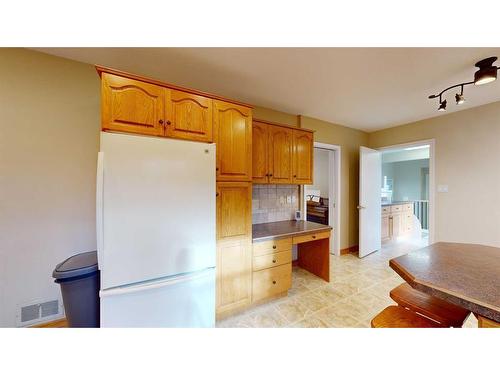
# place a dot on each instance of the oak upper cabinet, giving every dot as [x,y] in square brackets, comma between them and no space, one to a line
[234,211]
[302,157]
[233,135]
[260,135]
[280,147]
[132,106]
[188,116]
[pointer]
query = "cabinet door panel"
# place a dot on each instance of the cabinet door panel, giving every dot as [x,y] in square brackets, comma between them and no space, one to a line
[234,211]
[302,157]
[233,135]
[132,106]
[259,153]
[280,155]
[385,227]
[234,277]
[189,117]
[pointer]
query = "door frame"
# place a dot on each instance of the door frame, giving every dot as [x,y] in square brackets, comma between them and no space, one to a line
[334,164]
[432,178]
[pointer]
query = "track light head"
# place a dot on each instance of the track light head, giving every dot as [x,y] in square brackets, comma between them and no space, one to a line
[442,106]
[460,99]
[487,71]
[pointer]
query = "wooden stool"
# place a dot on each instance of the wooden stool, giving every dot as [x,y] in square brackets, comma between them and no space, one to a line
[445,313]
[399,317]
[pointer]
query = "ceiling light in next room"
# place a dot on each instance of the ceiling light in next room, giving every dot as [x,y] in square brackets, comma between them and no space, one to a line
[486,73]
[416,147]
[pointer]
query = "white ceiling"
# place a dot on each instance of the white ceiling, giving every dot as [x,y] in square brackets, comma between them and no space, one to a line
[363,88]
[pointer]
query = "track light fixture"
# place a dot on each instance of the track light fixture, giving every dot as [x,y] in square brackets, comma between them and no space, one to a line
[486,73]
[442,105]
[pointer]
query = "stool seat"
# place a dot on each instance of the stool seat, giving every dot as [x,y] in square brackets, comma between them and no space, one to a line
[443,312]
[399,317]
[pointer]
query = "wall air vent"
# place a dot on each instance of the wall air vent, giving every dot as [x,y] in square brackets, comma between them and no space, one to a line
[39,312]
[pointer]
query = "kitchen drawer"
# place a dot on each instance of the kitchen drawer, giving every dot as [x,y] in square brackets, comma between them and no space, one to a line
[272,260]
[408,207]
[271,281]
[397,208]
[311,237]
[386,209]
[273,246]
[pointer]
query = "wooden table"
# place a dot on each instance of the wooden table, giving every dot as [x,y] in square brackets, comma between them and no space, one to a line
[464,274]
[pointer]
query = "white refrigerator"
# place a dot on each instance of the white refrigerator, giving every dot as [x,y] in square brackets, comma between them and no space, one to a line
[156,232]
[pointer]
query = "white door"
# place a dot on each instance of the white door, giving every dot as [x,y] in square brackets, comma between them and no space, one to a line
[155,208]
[370,175]
[176,302]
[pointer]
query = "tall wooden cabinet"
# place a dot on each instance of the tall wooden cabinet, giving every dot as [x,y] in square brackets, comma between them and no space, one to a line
[233,135]
[234,250]
[281,154]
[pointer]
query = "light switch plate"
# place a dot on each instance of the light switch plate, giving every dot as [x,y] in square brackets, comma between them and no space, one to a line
[442,188]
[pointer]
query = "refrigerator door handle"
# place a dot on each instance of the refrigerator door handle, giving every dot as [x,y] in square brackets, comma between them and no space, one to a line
[99,207]
[157,284]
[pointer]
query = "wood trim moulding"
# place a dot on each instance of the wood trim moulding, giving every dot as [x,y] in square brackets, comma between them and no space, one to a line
[283,125]
[58,323]
[102,69]
[349,250]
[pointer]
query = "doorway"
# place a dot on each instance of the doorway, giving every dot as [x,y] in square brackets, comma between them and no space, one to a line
[321,201]
[397,203]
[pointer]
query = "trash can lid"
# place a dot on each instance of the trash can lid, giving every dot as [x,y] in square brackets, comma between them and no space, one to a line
[77,265]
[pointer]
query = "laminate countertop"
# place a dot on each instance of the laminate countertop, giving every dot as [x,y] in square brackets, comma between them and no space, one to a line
[396,203]
[467,275]
[283,229]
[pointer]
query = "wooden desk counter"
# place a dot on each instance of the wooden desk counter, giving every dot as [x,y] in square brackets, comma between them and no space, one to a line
[464,274]
[312,240]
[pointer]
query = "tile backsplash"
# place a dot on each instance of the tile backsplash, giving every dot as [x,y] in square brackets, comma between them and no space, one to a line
[274,203]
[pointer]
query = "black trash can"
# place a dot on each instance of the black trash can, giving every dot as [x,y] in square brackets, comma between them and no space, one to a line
[78,277]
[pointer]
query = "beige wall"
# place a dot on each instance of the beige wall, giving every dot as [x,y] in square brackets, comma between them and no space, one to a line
[49,137]
[468,161]
[349,140]
[267,114]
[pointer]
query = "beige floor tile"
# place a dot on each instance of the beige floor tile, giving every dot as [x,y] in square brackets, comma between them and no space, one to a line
[293,311]
[310,322]
[336,317]
[312,301]
[329,293]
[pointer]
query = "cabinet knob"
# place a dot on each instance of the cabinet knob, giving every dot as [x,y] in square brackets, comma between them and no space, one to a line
[161,122]
[313,237]
[270,175]
[274,246]
[216,194]
[274,281]
[168,122]
[274,260]
[294,176]
[217,169]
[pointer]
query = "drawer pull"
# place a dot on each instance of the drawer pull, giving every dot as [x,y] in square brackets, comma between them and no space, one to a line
[274,260]
[274,281]
[274,246]
[313,237]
